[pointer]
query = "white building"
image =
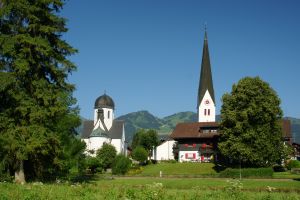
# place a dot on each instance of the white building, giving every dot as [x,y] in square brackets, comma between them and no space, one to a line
[164,151]
[104,128]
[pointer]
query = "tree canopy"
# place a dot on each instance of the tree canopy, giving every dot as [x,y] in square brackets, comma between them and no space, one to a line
[250,116]
[145,138]
[107,154]
[37,116]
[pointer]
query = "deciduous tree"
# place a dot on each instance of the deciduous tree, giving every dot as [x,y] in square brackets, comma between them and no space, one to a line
[251,133]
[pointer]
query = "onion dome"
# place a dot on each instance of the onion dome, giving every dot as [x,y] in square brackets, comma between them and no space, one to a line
[104,101]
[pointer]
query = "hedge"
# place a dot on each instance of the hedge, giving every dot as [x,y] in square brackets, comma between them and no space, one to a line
[247,173]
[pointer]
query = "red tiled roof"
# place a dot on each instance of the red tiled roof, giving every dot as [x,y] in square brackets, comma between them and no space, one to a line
[194,130]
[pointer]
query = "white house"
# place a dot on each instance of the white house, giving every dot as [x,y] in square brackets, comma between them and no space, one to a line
[164,151]
[104,128]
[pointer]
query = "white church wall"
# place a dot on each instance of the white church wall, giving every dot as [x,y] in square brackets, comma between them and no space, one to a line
[118,145]
[207,109]
[96,143]
[108,118]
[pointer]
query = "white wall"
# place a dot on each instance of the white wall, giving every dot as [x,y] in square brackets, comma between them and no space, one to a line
[108,118]
[208,104]
[118,145]
[182,156]
[164,151]
[95,143]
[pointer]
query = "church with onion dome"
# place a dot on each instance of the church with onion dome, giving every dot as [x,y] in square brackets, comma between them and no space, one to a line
[104,128]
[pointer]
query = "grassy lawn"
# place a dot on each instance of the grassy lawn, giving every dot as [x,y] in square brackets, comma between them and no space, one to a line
[156,188]
[148,185]
[180,169]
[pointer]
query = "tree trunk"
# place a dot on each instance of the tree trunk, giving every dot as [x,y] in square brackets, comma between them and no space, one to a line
[19,173]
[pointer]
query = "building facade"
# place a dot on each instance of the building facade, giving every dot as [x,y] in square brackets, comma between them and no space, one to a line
[104,128]
[197,141]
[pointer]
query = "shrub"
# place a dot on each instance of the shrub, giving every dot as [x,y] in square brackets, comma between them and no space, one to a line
[247,172]
[93,164]
[121,165]
[107,154]
[140,154]
[293,164]
[278,168]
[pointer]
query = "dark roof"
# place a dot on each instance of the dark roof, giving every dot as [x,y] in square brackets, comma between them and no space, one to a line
[205,82]
[286,128]
[87,129]
[115,131]
[195,130]
[104,101]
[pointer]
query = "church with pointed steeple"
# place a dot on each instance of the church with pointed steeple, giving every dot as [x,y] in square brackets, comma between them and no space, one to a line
[197,141]
[206,98]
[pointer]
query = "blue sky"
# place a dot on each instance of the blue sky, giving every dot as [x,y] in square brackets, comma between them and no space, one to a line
[146,54]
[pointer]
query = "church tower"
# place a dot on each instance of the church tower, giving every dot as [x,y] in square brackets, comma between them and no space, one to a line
[206,97]
[104,113]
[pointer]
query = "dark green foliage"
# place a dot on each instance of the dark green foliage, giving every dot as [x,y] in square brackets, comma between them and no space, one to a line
[107,154]
[140,154]
[121,165]
[247,173]
[37,117]
[278,168]
[251,133]
[93,164]
[145,138]
[293,164]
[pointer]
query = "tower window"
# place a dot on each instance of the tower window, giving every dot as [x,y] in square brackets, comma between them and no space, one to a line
[208,111]
[108,114]
[205,112]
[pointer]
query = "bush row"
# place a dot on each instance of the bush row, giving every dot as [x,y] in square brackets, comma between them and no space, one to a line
[247,172]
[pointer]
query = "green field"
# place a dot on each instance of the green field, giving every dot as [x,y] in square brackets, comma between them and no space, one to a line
[179,181]
[156,188]
[180,169]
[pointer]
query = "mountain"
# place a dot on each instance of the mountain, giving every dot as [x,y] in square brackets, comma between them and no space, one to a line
[139,120]
[145,120]
[164,126]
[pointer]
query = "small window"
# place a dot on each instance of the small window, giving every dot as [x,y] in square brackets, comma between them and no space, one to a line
[108,114]
[208,111]
[205,112]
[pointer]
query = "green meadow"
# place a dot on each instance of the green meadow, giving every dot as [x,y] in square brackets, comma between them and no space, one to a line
[178,181]
[156,188]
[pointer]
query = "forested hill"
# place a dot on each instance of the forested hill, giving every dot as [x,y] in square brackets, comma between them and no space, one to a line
[164,126]
[145,120]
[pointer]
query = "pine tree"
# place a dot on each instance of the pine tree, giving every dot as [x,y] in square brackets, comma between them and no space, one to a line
[35,96]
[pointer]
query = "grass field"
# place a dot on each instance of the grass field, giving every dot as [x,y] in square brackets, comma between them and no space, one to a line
[148,185]
[180,169]
[156,188]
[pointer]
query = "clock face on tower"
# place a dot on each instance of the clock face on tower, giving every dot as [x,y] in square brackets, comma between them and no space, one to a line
[206,102]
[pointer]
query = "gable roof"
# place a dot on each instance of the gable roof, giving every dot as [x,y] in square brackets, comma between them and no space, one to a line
[88,127]
[205,82]
[195,130]
[115,132]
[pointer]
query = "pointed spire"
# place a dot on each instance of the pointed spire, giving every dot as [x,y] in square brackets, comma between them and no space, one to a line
[205,82]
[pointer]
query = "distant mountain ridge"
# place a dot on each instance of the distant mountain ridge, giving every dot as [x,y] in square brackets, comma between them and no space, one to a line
[164,126]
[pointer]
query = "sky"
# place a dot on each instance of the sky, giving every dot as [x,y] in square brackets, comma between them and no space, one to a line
[146,54]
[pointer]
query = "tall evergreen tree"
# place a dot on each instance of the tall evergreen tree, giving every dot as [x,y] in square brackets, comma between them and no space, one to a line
[250,116]
[35,97]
